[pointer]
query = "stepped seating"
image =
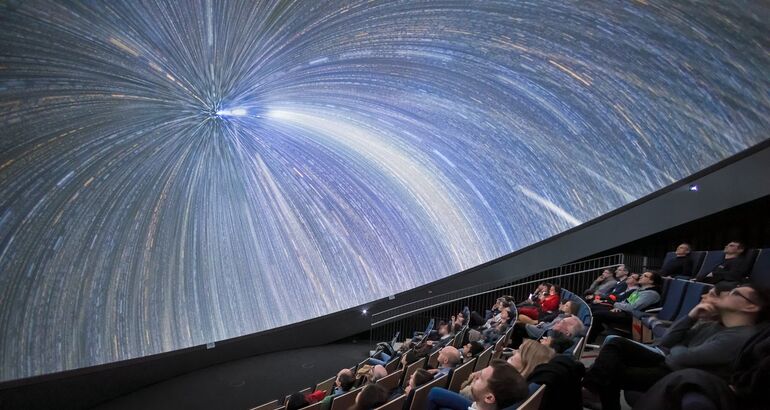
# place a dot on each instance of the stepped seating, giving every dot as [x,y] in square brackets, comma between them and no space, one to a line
[400,377]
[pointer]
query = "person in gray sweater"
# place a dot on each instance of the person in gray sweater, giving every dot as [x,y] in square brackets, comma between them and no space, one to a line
[708,338]
[621,313]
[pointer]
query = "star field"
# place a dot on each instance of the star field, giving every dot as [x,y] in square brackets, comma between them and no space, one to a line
[176,173]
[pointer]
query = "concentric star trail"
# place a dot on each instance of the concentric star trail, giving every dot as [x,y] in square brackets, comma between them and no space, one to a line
[175,173]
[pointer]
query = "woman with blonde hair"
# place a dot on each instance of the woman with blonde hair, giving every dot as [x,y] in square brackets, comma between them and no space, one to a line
[530,355]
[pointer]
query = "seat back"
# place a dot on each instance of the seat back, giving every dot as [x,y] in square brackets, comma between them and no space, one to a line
[711,261]
[697,258]
[326,385]
[500,343]
[314,406]
[344,400]
[303,391]
[534,400]
[673,299]
[433,359]
[578,350]
[420,398]
[390,382]
[268,406]
[691,298]
[460,337]
[760,273]
[395,404]
[411,369]
[669,257]
[461,374]
[392,365]
[483,360]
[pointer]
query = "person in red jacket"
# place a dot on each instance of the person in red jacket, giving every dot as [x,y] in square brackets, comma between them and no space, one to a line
[547,304]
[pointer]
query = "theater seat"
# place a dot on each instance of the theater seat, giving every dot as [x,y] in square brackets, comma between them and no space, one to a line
[711,261]
[691,298]
[671,304]
[760,273]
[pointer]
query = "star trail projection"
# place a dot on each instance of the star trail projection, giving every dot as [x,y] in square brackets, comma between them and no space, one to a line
[176,173]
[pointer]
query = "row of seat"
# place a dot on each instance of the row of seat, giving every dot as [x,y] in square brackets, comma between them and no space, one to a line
[703,262]
[679,297]
[400,377]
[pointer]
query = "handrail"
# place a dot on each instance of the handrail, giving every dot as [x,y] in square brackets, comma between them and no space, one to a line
[494,285]
[485,292]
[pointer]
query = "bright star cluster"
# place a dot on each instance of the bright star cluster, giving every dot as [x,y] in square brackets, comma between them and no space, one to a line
[176,173]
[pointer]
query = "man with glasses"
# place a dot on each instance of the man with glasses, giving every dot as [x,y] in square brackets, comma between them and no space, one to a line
[745,390]
[621,313]
[708,338]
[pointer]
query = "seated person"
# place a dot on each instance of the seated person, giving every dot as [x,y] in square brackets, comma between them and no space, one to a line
[745,390]
[603,284]
[490,336]
[503,318]
[448,358]
[681,265]
[370,374]
[540,291]
[621,314]
[558,342]
[733,269]
[497,386]
[445,336]
[370,396]
[708,338]
[530,355]
[418,378]
[536,331]
[343,384]
[458,322]
[296,401]
[547,304]
[621,274]
[631,284]
[471,350]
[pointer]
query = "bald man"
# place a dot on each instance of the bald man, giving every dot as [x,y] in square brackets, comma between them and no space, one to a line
[448,358]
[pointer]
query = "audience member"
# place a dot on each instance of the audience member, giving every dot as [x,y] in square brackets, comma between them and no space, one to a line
[471,350]
[547,304]
[708,338]
[621,314]
[497,386]
[630,285]
[296,401]
[540,291]
[536,331]
[530,355]
[621,274]
[681,265]
[733,268]
[343,384]
[603,284]
[448,358]
[418,378]
[744,391]
[558,342]
[370,396]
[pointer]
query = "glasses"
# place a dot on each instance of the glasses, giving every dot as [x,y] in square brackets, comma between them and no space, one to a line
[735,292]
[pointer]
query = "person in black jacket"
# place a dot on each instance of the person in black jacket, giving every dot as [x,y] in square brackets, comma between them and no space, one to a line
[561,377]
[681,265]
[733,269]
[744,391]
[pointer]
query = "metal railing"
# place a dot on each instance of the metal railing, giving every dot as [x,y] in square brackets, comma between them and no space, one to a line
[414,316]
